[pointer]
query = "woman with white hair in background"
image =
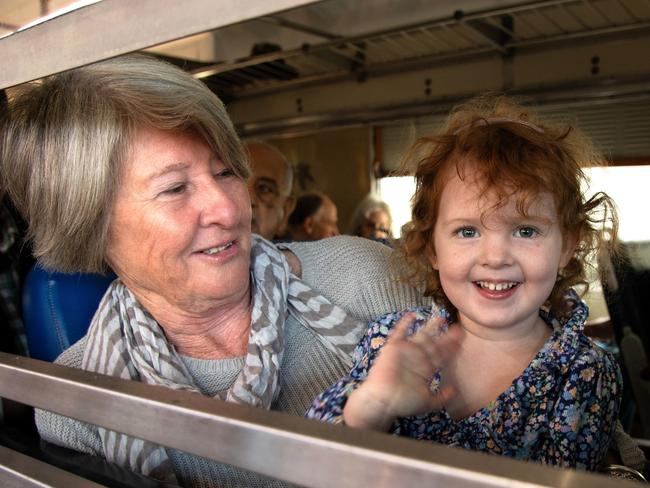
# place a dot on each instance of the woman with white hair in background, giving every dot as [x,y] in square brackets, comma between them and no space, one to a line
[372,220]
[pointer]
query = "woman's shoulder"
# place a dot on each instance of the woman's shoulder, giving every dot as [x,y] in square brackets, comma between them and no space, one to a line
[356,251]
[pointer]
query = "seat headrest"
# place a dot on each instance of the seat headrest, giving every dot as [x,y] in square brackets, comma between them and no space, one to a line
[58,308]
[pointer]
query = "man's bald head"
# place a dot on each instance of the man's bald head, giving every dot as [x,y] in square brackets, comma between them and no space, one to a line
[269,188]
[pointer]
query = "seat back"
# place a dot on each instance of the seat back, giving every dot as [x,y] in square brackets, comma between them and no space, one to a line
[58,308]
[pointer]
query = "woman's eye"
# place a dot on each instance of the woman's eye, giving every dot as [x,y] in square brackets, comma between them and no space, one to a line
[467,232]
[224,173]
[175,190]
[526,232]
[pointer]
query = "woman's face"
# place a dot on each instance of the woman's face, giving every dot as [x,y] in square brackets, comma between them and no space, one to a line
[376,226]
[180,225]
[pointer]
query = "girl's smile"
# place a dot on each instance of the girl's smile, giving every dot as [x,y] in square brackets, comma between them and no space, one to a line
[496,266]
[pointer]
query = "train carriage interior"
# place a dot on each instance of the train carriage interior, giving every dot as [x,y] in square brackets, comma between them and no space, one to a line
[342,88]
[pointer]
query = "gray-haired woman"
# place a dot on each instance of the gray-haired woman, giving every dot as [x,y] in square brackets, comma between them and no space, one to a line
[133,165]
[372,220]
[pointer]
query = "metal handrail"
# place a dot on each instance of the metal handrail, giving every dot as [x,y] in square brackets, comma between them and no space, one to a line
[112,27]
[18,470]
[274,444]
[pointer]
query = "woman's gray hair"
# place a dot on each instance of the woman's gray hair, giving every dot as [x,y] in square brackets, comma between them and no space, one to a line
[65,139]
[365,208]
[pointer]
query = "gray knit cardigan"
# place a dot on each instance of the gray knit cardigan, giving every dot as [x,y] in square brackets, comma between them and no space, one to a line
[354,273]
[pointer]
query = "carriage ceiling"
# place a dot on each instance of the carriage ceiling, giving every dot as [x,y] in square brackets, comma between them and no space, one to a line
[333,40]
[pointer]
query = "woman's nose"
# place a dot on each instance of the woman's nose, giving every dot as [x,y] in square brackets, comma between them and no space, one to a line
[222,204]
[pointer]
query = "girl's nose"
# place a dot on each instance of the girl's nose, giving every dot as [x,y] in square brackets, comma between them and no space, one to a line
[496,252]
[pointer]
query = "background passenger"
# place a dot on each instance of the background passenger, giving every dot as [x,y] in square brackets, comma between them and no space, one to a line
[315,217]
[15,261]
[500,233]
[133,165]
[269,188]
[372,220]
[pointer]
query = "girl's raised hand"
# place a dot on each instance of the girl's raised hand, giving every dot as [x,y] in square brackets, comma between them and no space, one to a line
[398,383]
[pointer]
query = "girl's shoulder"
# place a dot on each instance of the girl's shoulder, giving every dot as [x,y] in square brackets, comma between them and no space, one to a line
[591,357]
[383,324]
[378,331]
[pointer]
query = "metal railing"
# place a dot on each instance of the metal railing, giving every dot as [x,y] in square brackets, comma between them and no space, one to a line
[113,27]
[274,444]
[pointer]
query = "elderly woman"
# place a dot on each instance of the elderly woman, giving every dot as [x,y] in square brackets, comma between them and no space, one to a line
[132,165]
[372,220]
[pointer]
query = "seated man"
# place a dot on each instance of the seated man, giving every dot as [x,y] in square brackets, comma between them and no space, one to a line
[270,189]
[315,217]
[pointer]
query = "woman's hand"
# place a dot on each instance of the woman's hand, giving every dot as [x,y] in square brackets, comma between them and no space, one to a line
[398,384]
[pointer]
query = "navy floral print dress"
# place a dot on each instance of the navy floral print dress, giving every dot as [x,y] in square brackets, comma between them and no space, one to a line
[561,411]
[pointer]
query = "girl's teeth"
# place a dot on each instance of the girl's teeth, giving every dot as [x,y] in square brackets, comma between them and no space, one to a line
[496,286]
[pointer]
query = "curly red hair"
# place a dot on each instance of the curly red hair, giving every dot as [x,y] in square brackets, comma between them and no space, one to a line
[517,155]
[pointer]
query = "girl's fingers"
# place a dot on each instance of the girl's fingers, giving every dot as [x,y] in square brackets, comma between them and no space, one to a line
[400,330]
[439,347]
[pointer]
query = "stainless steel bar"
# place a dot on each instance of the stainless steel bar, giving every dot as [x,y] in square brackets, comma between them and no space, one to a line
[18,470]
[113,27]
[272,443]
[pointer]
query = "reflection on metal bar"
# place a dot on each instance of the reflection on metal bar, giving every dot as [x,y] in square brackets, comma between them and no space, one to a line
[19,470]
[113,27]
[272,443]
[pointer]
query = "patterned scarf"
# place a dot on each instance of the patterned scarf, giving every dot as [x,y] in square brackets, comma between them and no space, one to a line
[124,340]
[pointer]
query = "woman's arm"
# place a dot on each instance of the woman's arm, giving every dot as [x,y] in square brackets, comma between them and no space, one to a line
[64,431]
[356,274]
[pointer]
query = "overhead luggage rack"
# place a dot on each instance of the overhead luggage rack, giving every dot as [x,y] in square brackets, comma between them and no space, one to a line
[497,31]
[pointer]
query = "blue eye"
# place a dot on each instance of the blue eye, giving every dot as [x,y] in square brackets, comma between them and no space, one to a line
[526,232]
[467,232]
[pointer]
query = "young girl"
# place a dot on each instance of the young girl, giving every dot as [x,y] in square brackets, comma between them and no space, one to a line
[500,232]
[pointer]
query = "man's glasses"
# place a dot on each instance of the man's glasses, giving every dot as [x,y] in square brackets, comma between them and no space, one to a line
[376,229]
[266,190]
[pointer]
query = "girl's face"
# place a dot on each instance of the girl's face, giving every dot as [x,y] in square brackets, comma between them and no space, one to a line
[496,266]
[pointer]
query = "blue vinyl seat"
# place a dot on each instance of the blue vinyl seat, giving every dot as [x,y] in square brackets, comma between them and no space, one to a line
[58,308]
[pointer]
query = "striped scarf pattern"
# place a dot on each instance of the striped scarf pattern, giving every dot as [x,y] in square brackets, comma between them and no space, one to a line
[125,341]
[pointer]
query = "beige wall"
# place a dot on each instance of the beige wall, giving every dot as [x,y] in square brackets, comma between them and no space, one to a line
[338,162]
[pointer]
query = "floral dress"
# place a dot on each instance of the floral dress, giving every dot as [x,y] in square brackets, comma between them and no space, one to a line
[561,410]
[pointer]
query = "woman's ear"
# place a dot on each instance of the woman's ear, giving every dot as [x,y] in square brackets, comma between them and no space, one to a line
[568,247]
[430,254]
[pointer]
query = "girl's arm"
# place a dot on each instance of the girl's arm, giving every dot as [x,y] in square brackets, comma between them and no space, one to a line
[584,417]
[391,378]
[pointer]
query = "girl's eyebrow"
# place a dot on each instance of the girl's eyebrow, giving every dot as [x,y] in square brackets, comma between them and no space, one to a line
[460,220]
[539,219]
